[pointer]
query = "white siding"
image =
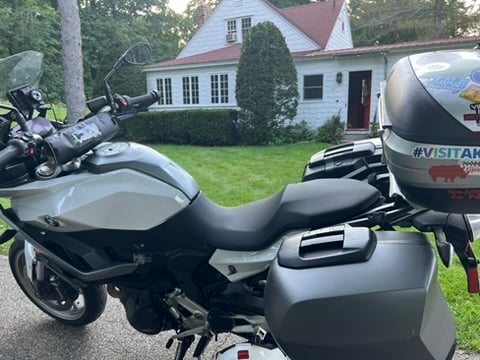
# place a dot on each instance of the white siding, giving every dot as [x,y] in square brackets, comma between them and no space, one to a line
[341,36]
[212,35]
[315,112]
[335,96]
[203,74]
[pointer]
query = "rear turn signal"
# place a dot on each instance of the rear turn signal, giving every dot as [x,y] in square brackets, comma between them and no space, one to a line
[243,355]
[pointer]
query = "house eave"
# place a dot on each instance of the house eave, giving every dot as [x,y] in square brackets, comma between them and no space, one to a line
[192,66]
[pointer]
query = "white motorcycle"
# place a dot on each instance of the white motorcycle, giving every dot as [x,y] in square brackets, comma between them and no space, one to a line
[299,275]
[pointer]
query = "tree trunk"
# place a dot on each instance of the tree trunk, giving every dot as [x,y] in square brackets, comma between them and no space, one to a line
[72,59]
[438,19]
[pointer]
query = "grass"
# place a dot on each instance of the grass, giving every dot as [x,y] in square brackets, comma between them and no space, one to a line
[236,175]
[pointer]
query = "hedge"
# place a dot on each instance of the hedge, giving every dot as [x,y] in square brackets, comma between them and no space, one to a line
[193,127]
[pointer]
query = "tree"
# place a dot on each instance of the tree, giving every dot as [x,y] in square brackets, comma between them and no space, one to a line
[159,27]
[266,89]
[388,22]
[72,59]
[33,25]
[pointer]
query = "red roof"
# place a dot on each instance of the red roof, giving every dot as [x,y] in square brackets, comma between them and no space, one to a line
[232,53]
[440,43]
[316,20]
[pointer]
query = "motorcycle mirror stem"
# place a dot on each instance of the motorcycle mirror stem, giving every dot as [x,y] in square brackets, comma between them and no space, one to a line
[137,54]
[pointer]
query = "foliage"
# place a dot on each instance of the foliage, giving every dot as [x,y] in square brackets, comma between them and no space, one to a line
[158,28]
[331,131]
[296,133]
[289,3]
[109,27]
[194,127]
[33,25]
[374,129]
[192,20]
[388,22]
[266,88]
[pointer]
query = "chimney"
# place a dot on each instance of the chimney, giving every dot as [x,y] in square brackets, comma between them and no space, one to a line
[203,13]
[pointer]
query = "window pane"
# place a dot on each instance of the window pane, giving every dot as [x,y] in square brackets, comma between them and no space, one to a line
[214,89]
[231,26]
[161,95]
[195,90]
[224,88]
[168,91]
[186,90]
[246,25]
[313,80]
[313,87]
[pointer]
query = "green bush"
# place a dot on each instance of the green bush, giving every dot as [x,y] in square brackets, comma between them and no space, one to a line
[291,134]
[192,127]
[331,131]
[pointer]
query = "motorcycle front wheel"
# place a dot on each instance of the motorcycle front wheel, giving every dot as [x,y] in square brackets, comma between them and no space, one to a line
[80,306]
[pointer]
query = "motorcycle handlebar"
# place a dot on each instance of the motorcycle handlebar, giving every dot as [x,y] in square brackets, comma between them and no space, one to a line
[137,103]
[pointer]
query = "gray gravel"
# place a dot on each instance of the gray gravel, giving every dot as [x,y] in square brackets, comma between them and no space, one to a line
[26,333]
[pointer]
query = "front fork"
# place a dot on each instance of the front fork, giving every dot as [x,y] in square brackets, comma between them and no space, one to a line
[32,262]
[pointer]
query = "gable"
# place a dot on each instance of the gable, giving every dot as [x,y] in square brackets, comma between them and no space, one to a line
[316,20]
[301,26]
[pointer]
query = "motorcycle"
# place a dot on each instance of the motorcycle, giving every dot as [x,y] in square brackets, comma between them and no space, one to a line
[299,275]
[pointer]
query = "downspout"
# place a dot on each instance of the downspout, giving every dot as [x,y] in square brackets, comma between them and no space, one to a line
[385,65]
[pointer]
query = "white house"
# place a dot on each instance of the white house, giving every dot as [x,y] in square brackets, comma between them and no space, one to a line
[333,77]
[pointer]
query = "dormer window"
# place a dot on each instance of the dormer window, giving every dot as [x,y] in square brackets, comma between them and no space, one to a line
[232,30]
[246,25]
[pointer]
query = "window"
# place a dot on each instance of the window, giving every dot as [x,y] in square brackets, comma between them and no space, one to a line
[219,89]
[191,94]
[312,87]
[231,26]
[164,87]
[246,25]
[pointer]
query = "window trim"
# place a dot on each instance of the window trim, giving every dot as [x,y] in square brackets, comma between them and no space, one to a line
[313,88]
[164,87]
[191,90]
[219,88]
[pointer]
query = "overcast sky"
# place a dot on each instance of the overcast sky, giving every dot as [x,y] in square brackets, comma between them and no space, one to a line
[178,5]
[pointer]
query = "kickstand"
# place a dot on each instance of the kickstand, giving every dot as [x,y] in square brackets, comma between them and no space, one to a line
[183,346]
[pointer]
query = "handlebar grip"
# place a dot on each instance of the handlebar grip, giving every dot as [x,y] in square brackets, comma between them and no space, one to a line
[10,152]
[142,102]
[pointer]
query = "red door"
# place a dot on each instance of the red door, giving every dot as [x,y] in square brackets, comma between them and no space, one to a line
[360,85]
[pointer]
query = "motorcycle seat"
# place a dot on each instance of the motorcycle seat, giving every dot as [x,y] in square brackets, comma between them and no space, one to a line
[255,226]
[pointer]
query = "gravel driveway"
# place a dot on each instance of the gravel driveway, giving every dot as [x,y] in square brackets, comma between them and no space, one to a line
[26,333]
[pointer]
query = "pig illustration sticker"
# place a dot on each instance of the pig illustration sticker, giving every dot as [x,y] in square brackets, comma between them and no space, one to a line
[449,173]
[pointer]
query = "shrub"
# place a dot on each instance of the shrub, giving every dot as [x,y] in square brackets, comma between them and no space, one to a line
[266,87]
[299,132]
[192,127]
[331,131]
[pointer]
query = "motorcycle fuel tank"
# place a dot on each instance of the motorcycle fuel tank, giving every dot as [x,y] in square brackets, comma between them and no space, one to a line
[349,293]
[430,112]
[123,186]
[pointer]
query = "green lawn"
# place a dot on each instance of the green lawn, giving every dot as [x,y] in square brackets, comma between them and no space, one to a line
[236,175]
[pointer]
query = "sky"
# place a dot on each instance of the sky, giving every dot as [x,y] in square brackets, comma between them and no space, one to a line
[178,5]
